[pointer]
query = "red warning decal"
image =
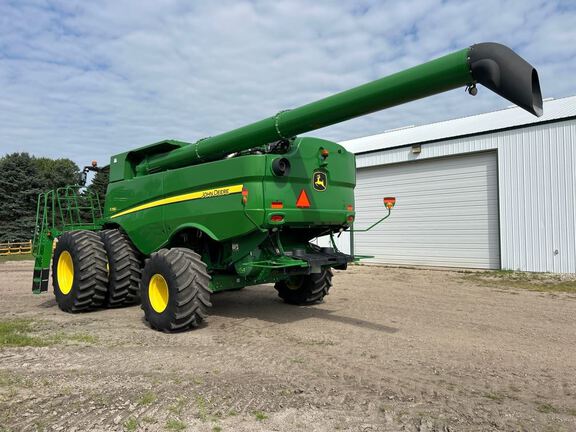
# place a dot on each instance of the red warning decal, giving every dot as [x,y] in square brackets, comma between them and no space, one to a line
[303,201]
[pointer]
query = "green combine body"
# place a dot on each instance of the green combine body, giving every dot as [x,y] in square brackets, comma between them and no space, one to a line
[184,220]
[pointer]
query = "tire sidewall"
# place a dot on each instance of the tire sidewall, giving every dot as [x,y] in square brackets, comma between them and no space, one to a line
[65,301]
[158,264]
[303,294]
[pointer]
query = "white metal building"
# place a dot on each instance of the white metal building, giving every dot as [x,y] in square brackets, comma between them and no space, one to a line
[495,190]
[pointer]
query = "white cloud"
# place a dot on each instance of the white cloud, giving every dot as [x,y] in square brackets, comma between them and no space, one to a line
[89,79]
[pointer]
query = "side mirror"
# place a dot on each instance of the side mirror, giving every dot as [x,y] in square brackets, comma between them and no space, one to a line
[389,202]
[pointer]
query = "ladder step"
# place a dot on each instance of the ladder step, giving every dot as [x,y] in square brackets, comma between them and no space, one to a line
[40,280]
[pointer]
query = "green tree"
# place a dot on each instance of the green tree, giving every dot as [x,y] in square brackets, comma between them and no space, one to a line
[57,173]
[100,183]
[20,183]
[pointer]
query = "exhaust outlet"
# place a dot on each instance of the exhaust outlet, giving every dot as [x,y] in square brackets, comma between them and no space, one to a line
[500,69]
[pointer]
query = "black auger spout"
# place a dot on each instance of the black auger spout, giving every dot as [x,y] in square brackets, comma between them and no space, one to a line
[500,69]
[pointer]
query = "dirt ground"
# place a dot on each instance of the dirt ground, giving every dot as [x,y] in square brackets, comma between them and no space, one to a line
[389,350]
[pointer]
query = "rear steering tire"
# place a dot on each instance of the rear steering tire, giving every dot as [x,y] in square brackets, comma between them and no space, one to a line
[124,269]
[79,271]
[305,290]
[175,290]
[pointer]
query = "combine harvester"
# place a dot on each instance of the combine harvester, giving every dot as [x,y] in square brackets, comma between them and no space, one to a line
[184,220]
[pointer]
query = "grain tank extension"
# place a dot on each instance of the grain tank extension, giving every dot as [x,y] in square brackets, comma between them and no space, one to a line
[182,221]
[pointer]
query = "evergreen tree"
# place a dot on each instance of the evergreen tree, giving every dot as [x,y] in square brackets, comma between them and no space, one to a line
[20,183]
[100,183]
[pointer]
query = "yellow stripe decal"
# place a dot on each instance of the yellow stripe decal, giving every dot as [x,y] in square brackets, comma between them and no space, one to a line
[209,193]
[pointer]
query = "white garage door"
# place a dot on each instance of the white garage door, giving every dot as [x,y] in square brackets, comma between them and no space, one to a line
[446,212]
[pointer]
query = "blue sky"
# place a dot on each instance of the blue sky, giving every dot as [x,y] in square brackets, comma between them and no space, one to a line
[88,79]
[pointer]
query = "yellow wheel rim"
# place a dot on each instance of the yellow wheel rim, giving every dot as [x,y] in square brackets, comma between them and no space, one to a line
[158,293]
[294,284]
[65,272]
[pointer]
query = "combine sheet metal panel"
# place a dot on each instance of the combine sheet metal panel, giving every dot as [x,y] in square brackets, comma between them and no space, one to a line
[446,212]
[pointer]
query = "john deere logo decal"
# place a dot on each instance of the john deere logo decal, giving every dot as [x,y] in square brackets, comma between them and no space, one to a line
[319,181]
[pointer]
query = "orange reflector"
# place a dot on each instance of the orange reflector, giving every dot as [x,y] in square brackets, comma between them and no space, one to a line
[303,201]
[276,218]
[244,195]
[324,153]
[277,204]
[389,202]
[349,207]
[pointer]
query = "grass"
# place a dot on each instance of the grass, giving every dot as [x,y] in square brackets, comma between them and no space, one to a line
[495,396]
[311,342]
[147,398]
[546,408]
[74,337]
[21,332]
[260,416]
[541,282]
[175,425]
[8,258]
[131,425]
[178,406]
[16,333]
[8,379]
[202,403]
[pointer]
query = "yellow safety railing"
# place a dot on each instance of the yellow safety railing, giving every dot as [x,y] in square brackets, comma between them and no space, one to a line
[16,248]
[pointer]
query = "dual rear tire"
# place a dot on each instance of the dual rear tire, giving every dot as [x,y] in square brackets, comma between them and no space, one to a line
[124,269]
[92,270]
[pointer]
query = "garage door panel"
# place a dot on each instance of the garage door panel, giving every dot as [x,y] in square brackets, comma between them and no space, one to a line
[458,213]
[446,213]
[434,179]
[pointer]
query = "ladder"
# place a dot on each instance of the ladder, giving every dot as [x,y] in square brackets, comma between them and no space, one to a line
[69,208]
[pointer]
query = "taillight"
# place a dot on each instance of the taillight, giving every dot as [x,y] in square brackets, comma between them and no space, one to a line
[277,218]
[244,195]
[350,219]
[389,202]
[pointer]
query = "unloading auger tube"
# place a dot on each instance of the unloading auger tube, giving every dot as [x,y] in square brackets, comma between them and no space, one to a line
[493,65]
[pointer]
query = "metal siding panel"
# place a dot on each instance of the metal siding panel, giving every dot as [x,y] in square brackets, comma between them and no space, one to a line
[536,188]
[538,198]
[447,212]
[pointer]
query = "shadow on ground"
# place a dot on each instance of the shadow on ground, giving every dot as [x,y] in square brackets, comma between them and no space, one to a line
[261,302]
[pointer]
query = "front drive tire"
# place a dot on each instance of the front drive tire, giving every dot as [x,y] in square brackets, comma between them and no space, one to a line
[79,272]
[175,290]
[124,269]
[305,290]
